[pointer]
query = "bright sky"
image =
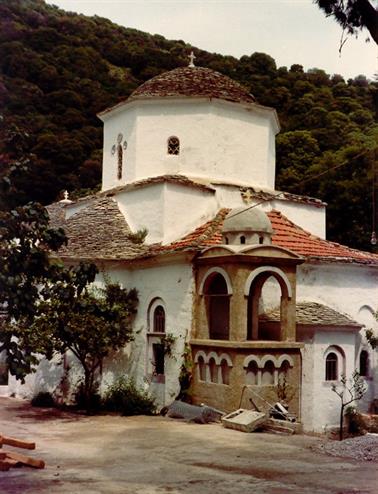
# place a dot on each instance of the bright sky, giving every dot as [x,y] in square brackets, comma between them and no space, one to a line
[290,31]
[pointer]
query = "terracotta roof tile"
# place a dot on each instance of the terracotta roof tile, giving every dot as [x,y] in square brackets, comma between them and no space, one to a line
[99,231]
[286,235]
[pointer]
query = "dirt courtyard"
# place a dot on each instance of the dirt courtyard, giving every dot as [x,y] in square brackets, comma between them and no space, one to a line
[157,455]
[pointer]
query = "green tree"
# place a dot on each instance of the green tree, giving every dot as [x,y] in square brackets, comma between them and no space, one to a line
[352,15]
[72,315]
[26,241]
[348,391]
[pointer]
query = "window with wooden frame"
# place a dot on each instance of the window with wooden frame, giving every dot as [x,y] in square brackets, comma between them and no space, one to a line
[331,367]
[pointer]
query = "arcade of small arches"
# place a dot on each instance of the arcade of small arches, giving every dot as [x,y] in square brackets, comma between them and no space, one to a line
[265,370]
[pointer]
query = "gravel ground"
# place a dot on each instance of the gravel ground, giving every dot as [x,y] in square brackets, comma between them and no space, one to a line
[363,448]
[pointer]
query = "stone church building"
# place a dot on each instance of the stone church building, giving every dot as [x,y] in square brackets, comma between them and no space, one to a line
[238,274]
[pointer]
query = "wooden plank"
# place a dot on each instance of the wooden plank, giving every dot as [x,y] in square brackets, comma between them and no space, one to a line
[26,460]
[17,443]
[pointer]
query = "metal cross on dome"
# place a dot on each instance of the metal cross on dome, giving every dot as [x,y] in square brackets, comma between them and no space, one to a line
[191,58]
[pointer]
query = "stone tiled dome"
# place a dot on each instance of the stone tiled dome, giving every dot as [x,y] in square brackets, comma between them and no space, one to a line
[193,81]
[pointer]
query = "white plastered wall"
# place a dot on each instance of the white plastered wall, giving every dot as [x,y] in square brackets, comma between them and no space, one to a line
[352,290]
[173,284]
[320,405]
[167,210]
[218,140]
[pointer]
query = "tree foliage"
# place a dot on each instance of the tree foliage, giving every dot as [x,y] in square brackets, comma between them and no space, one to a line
[58,69]
[72,315]
[353,15]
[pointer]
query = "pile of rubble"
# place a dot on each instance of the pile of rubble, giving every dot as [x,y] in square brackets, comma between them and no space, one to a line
[363,448]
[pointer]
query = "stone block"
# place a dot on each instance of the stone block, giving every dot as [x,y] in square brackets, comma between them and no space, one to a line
[244,420]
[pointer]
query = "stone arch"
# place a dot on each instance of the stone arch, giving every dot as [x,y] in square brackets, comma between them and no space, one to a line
[210,273]
[276,272]
[213,355]
[227,358]
[251,358]
[253,289]
[267,358]
[200,353]
[285,358]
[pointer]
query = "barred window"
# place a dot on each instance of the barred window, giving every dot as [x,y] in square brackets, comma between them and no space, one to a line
[174,145]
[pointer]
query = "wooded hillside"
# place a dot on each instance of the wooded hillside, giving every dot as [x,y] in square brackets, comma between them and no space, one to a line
[58,69]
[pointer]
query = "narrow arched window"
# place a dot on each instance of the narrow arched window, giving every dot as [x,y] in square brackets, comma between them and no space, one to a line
[252,373]
[242,239]
[267,377]
[201,369]
[364,363]
[174,145]
[218,308]
[213,368]
[331,369]
[119,161]
[225,372]
[159,319]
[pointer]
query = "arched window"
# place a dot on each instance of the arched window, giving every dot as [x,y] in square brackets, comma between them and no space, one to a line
[242,239]
[159,319]
[267,377]
[174,145]
[331,369]
[213,368]
[364,363]
[218,307]
[225,372]
[252,373]
[201,368]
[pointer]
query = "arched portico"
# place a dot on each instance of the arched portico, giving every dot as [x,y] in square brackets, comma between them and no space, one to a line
[252,291]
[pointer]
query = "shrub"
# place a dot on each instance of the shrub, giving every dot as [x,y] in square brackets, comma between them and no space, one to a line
[356,425]
[91,403]
[124,397]
[43,399]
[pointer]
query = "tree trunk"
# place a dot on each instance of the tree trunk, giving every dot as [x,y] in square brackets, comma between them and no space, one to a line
[341,433]
[369,16]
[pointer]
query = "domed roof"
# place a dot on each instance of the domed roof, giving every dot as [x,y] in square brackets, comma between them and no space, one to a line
[193,81]
[247,219]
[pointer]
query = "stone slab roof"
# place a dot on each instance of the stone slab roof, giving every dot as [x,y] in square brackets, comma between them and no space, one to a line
[99,231]
[314,314]
[262,195]
[193,81]
[170,179]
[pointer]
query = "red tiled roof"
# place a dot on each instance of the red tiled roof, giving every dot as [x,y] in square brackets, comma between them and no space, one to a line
[286,235]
